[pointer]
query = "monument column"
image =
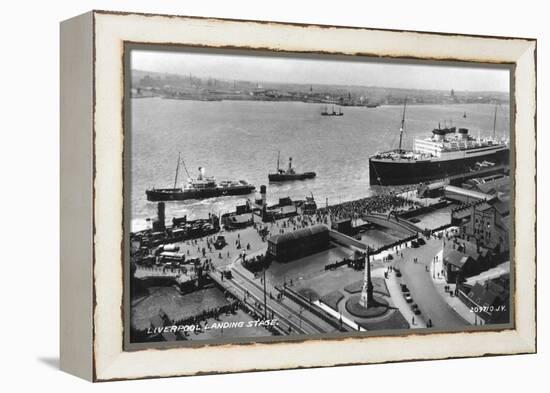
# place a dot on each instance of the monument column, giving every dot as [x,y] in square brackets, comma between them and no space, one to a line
[367,296]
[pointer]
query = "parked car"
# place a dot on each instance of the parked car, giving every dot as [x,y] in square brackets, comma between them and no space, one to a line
[408,298]
[220,242]
[420,241]
[404,288]
[417,311]
[414,244]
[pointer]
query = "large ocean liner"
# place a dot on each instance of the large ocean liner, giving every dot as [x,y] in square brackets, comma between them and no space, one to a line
[201,187]
[448,151]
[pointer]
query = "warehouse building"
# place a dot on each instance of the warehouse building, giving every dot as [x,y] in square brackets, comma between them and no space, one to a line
[303,242]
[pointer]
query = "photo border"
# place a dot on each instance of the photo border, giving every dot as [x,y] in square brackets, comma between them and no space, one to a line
[112,30]
[181,48]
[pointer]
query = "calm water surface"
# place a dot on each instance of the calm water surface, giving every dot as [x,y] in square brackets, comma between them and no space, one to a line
[240,140]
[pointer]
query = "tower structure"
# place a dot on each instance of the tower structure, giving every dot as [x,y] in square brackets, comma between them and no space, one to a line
[367,294]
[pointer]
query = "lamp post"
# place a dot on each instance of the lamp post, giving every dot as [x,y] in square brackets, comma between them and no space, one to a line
[265,298]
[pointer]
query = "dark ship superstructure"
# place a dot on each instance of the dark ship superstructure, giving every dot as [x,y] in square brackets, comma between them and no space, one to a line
[201,187]
[289,173]
[448,151]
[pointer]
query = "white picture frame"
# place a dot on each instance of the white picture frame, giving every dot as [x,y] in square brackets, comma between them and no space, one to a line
[92,223]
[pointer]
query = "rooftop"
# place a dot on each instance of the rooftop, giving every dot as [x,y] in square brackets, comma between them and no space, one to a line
[298,234]
[456,258]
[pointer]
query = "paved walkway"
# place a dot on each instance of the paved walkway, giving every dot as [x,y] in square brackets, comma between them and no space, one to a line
[399,301]
[454,302]
[418,278]
[339,316]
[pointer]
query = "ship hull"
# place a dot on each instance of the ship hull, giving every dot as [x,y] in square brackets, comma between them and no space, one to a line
[397,172]
[177,194]
[275,177]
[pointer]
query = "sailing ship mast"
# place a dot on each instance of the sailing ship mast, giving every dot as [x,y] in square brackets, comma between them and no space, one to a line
[278,158]
[177,170]
[495,122]
[402,125]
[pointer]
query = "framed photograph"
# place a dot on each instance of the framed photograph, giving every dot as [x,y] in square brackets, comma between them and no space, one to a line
[246,195]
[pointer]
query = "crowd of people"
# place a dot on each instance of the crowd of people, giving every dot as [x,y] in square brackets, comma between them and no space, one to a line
[373,204]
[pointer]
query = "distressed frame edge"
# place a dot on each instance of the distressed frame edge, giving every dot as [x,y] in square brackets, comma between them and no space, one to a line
[526,338]
[76,208]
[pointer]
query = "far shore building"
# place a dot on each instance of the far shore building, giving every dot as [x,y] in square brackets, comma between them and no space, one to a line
[298,244]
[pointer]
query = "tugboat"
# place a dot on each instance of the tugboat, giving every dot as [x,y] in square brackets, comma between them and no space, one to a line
[289,173]
[446,152]
[200,188]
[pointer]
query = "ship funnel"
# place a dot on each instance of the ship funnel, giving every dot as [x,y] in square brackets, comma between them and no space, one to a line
[158,224]
[201,173]
[263,193]
[463,133]
[438,134]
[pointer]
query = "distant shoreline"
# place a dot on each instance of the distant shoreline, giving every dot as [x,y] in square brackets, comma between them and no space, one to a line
[367,106]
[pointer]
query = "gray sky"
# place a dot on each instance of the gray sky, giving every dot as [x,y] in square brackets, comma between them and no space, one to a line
[292,70]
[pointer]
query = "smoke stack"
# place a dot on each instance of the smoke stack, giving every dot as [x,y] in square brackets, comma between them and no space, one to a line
[263,193]
[160,215]
[438,134]
[158,224]
[201,173]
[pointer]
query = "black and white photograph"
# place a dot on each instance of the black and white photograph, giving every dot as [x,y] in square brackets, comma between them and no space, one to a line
[250,196]
[297,196]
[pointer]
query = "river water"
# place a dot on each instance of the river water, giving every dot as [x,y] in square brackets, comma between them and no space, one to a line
[240,140]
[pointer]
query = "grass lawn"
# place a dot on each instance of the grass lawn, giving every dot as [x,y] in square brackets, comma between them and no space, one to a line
[394,321]
[332,299]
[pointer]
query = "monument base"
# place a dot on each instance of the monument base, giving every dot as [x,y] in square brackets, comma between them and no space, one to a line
[378,307]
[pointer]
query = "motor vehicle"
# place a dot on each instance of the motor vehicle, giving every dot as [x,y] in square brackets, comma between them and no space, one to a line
[417,311]
[414,244]
[404,288]
[220,242]
[408,298]
[420,241]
